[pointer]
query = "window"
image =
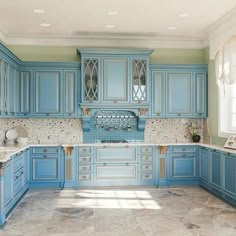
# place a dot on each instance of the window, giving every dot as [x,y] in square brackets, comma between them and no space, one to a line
[227,110]
[225,63]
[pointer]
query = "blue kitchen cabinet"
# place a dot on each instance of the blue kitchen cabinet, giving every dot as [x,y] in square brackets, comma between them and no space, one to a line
[204,166]
[114,77]
[45,168]
[229,177]
[48,93]
[90,79]
[158,94]
[179,91]
[184,165]
[200,94]
[25,92]
[115,80]
[71,93]
[8,183]
[26,160]
[179,94]
[46,164]
[149,166]
[140,81]
[216,169]
[13,92]
[8,89]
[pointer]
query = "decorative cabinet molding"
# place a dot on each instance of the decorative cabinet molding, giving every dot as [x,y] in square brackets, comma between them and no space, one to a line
[158,94]
[47,167]
[48,92]
[25,83]
[183,164]
[179,99]
[115,80]
[179,91]
[200,94]
[70,93]
[8,89]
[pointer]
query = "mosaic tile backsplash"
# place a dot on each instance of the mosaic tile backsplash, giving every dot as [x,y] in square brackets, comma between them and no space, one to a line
[70,131]
[47,130]
[174,130]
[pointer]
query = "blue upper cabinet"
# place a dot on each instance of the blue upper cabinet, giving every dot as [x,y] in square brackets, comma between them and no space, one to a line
[90,80]
[49,90]
[25,97]
[158,94]
[70,93]
[115,80]
[200,94]
[139,80]
[179,96]
[114,77]
[179,91]
[48,86]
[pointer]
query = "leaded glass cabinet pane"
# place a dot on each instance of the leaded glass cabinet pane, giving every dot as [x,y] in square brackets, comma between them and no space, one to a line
[139,83]
[91,80]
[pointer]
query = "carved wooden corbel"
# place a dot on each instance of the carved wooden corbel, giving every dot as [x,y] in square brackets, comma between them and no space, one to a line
[163,149]
[68,150]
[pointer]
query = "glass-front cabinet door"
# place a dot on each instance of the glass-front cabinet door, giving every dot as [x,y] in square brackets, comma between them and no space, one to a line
[139,80]
[90,80]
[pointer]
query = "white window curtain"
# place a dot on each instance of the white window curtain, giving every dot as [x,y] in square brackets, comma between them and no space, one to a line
[225,63]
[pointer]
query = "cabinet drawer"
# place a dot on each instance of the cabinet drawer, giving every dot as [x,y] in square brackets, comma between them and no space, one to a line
[147,176]
[85,177]
[17,162]
[18,181]
[45,150]
[85,150]
[183,149]
[85,168]
[147,168]
[146,149]
[146,158]
[85,159]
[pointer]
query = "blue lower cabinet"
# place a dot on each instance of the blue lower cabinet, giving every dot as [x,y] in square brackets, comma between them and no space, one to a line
[13,185]
[184,165]
[46,169]
[8,184]
[216,176]
[229,177]
[204,166]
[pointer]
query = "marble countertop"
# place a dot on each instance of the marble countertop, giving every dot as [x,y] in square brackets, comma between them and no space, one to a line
[7,151]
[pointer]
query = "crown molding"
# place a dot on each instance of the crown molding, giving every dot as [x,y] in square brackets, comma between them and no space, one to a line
[222,30]
[105,42]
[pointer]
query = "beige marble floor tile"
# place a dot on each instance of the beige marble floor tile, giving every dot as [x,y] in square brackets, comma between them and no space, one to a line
[184,211]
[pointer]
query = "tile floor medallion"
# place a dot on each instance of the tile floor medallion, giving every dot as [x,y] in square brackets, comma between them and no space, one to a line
[185,211]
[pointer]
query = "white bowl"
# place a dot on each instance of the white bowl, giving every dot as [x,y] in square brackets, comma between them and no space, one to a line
[22,140]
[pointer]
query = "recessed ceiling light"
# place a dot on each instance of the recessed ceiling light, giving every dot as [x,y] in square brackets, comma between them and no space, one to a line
[45,25]
[112,13]
[109,26]
[39,11]
[171,28]
[183,15]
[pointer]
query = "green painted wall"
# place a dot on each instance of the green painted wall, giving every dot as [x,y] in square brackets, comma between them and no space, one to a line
[177,56]
[68,54]
[45,53]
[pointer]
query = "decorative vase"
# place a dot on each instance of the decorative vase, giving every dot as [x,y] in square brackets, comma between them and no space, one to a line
[196,138]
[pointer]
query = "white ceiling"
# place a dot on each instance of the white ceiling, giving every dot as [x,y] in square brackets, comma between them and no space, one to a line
[74,21]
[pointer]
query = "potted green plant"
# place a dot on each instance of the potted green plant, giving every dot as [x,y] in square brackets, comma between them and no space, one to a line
[194,131]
